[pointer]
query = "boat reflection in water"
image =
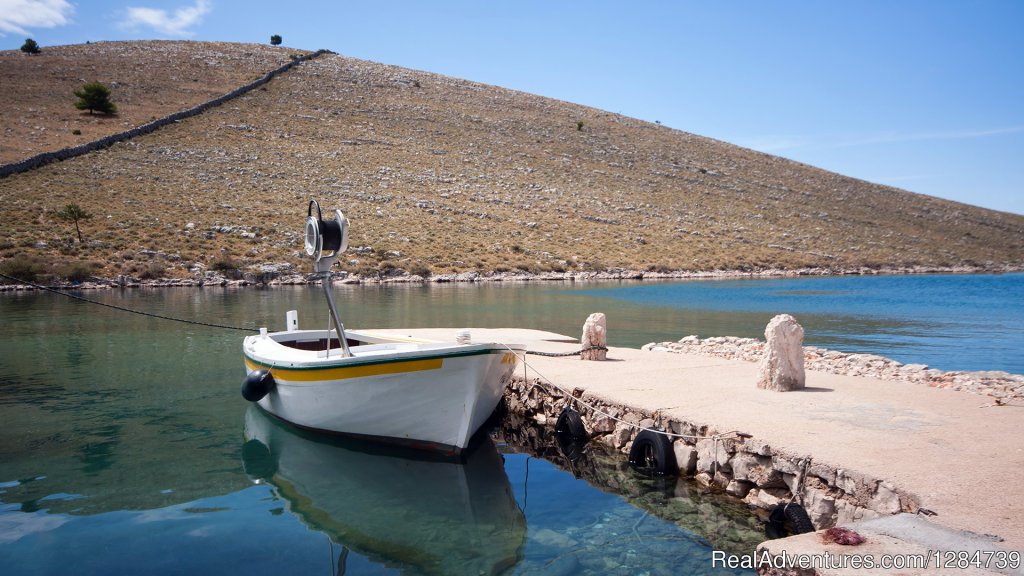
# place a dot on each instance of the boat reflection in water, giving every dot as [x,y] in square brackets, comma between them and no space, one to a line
[406,510]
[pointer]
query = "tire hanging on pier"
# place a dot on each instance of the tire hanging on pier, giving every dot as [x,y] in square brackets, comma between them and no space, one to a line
[652,452]
[570,425]
[788,520]
[571,436]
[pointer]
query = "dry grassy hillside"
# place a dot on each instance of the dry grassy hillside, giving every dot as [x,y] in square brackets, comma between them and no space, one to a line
[147,80]
[442,175]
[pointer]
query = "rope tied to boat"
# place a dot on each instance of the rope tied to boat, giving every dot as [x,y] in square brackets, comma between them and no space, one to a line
[563,354]
[543,380]
[226,327]
[123,309]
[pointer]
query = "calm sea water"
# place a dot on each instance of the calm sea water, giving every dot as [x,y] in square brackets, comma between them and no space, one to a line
[951,322]
[126,448]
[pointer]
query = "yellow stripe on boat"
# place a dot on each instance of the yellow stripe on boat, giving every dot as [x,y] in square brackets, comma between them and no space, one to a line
[344,372]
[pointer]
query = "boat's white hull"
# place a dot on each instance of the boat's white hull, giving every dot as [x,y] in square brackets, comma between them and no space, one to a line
[435,396]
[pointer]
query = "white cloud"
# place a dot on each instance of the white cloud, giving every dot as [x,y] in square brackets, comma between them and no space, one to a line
[779,143]
[898,178]
[164,22]
[927,136]
[773,143]
[17,16]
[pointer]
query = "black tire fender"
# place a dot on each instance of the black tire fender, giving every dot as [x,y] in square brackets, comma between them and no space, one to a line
[570,424]
[798,519]
[788,519]
[653,451]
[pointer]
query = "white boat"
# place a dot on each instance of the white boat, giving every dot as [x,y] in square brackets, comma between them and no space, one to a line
[432,395]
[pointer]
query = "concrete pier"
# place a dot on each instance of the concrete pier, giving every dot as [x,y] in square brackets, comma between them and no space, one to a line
[952,453]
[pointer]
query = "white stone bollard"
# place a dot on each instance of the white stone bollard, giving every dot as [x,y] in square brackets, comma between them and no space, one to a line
[595,333]
[782,365]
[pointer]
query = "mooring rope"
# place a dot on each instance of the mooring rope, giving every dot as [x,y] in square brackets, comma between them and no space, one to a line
[211,325]
[563,354]
[123,309]
[670,435]
[801,485]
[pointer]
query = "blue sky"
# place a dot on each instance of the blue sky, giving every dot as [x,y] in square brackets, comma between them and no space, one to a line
[925,95]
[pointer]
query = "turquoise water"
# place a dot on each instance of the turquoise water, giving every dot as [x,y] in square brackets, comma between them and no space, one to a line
[951,322]
[126,447]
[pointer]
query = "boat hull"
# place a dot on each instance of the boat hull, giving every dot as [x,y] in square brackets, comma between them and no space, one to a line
[433,397]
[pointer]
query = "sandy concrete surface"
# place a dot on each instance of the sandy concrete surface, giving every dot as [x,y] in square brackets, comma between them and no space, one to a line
[962,457]
[904,544]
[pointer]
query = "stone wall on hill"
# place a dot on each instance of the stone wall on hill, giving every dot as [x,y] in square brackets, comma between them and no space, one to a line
[73,151]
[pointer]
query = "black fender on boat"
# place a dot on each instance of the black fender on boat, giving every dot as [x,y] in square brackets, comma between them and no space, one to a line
[257,384]
[652,452]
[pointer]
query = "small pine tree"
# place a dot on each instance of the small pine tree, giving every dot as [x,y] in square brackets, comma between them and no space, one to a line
[275,39]
[74,213]
[30,46]
[94,96]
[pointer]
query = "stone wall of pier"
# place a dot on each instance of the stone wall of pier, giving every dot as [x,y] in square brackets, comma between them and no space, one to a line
[742,466]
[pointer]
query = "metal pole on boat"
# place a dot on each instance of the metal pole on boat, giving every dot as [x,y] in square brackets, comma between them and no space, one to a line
[338,326]
[324,241]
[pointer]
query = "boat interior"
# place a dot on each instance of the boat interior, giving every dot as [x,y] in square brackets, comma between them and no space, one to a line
[359,344]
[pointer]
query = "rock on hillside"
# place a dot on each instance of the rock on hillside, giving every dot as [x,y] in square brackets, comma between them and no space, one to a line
[441,175]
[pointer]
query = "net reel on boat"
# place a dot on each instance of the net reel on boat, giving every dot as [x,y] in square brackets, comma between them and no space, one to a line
[325,240]
[325,236]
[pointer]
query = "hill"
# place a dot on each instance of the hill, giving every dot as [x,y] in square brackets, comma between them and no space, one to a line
[148,80]
[438,175]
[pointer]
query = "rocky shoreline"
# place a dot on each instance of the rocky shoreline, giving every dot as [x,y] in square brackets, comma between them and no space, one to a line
[283,275]
[1002,386]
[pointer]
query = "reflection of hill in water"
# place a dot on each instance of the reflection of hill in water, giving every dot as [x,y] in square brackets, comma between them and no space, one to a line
[725,523]
[106,407]
[106,449]
[420,515]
